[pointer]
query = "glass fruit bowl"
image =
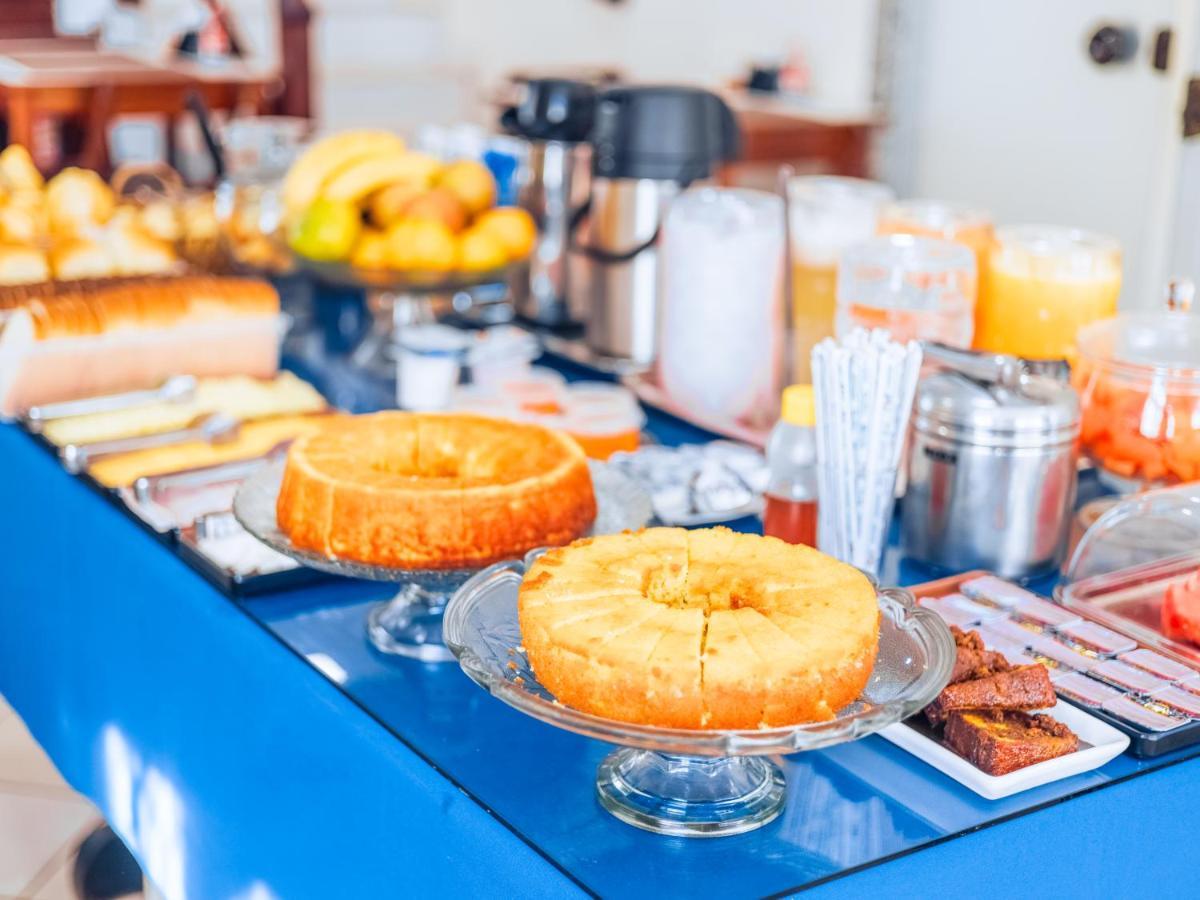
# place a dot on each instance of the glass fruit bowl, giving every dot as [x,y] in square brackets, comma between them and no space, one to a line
[1138,377]
[694,783]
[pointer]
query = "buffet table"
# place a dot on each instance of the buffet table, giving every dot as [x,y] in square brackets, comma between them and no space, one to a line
[262,748]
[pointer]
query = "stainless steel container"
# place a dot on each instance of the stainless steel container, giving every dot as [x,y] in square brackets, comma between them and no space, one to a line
[992,467]
[618,299]
[553,119]
[553,183]
[648,144]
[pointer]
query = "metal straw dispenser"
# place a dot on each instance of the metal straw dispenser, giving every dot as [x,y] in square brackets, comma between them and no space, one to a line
[992,467]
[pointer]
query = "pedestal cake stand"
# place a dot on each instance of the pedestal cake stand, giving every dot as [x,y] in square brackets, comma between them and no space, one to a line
[699,783]
[410,624]
[397,300]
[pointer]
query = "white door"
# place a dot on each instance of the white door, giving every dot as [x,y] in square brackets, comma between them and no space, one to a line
[1001,105]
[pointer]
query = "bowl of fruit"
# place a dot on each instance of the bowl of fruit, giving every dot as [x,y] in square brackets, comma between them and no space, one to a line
[361,208]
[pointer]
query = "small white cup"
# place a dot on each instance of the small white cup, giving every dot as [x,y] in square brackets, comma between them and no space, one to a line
[427,366]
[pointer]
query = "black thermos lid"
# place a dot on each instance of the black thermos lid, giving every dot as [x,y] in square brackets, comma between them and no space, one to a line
[666,133]
[552,109]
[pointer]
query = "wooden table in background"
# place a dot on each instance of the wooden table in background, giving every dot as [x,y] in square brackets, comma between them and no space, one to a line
[776,131]
[63,78]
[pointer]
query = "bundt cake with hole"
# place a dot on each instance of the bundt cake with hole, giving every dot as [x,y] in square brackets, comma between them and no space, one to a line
[433,491]
[699,629]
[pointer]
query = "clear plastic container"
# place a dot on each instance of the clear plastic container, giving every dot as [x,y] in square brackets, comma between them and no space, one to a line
[721,336]
[827,214]
[1137,570]
[917,288]
[944,221]
[1138,377]
[790,508]
[1041,284]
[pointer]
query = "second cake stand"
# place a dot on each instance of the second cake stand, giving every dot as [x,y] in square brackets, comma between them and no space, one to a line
[410,624]
[701,783]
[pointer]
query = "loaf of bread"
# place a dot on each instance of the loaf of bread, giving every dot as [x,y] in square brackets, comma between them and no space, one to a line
[80,339]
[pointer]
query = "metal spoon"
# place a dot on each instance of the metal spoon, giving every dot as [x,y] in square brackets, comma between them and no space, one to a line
[213,428]
[176,389]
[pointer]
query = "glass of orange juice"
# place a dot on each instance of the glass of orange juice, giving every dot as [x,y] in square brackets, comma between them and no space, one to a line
[917,288]
[826,215]
[945,221]
[1040,285]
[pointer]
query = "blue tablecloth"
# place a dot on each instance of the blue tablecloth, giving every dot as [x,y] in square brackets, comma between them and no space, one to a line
[262,749]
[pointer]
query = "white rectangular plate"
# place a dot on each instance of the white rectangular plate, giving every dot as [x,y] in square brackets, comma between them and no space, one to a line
[1106,742]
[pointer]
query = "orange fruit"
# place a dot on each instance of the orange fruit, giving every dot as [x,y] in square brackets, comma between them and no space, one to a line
[438,205]
[371,251]
[388,204]
[471,182]
[419,245]
[513,227]
[480,251]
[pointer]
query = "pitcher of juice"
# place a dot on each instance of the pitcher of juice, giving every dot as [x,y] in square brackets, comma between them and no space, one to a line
[826,215]
[944,221]
[1040,285]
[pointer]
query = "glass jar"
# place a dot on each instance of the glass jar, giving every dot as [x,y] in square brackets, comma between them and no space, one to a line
[827,215]
[917,288]
[1138,376]
[1041,284]
[721,332]
[944,221]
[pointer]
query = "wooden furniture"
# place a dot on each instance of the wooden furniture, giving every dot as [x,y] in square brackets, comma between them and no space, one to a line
[777,131]
[26,18]
[63,79]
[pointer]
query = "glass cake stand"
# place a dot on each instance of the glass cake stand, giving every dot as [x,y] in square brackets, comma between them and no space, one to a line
[410,624]
[701,783]
[397,300]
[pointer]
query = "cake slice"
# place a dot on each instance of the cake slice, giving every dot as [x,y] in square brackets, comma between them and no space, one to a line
[973,659]
[999,741]
[1022,688]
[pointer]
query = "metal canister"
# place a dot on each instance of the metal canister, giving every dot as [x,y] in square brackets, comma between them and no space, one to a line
[992,467]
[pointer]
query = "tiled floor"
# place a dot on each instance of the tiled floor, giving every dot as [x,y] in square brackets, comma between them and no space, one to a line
[42,820]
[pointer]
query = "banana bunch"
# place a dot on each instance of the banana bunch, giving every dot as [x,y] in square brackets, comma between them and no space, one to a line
[364,198]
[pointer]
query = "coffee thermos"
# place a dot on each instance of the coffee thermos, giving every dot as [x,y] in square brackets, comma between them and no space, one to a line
[554,119]
[648,144]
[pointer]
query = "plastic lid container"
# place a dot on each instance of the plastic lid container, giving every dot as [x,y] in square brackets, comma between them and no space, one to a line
[1138,376]
[1131,569]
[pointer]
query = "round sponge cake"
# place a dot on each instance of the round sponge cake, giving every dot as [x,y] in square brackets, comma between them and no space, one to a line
[699,629]
[433,491]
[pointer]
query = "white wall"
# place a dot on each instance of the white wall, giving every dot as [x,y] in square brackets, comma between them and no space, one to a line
[402,62]
[1011,115]
[707,41]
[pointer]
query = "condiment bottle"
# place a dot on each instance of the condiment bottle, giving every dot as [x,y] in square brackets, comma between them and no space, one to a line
[791,497]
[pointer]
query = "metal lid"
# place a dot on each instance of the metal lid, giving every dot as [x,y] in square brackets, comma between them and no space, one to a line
[1033,411]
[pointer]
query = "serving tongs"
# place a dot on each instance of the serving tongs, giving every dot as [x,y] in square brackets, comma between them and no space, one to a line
[212,428]
[989,370]
[148,488]
[176,389]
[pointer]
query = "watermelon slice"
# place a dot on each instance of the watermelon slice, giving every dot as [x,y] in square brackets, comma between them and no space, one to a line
[1181,609]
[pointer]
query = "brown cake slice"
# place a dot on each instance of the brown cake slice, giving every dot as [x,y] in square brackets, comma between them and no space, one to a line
[999,741]
[1022,688]
[973,659]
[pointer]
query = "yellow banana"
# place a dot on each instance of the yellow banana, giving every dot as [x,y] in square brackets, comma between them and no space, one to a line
[357,180]
[318,163]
